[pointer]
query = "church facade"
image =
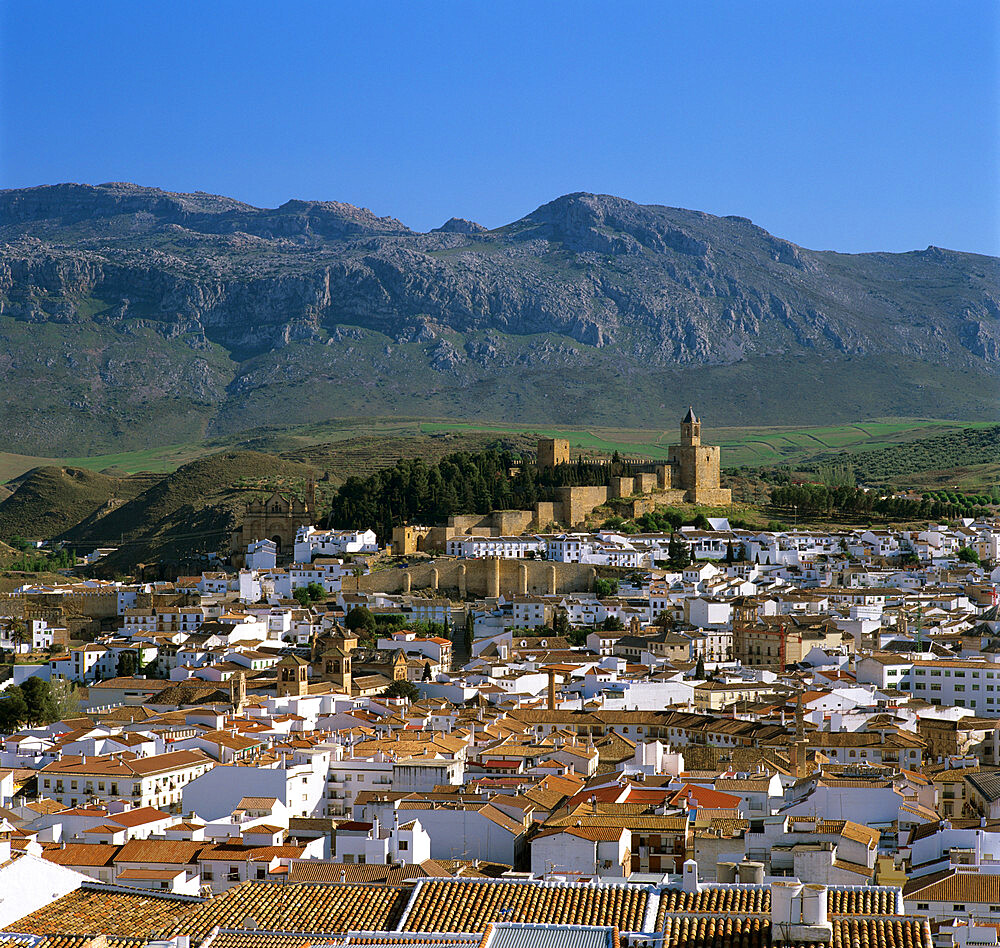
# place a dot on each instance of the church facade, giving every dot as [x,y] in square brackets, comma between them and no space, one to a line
[275,518]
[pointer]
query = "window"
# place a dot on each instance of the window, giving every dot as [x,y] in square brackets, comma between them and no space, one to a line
[923,906]
[958,907]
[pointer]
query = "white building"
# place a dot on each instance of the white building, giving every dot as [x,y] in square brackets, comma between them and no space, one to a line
[505,548]
[262,554]
[311,542]
[957,683]
[588,851]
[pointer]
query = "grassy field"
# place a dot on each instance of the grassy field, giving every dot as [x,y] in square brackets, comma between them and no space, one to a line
[740,446]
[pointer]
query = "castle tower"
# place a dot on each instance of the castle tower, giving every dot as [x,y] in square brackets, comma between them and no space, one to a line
[311,496]
[690,429]
[695,468]
[552,451]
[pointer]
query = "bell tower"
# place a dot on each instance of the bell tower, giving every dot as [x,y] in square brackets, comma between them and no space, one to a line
[690,429]
[311,496]
[238,692]
[293,676]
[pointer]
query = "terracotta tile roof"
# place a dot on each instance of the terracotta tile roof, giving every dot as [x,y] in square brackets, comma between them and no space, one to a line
[96,909]
[256,803]
[167,852]
[314,870]
[83,854]
[594,833]
[708,932]
[261,940]
[689,931]
[471,905]
[955,887]
[739,900]
[232,852]
[138,816]
[871,900]
[846,828]
[756,900]
[125,765]
[397,939]
[723,826]
[319,907]
[85,941]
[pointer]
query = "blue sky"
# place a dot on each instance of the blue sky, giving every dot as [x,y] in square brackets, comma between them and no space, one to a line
[850,126]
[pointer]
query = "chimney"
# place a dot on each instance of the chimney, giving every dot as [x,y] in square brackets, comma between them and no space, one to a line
[690,882]
[798,914]
[552,689]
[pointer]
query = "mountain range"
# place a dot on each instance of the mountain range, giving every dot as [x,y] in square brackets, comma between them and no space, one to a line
[131,316]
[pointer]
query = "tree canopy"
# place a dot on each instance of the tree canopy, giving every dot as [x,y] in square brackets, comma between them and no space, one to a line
[402,689]
[36,702]
[412,491]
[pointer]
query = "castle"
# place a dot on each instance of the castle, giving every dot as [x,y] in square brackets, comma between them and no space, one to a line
[691,475]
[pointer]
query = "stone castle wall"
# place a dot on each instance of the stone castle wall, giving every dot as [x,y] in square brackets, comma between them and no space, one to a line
[488,577]
[691,475]
[578,502]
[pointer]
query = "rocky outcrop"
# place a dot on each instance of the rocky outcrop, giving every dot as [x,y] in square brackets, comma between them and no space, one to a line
[311,290]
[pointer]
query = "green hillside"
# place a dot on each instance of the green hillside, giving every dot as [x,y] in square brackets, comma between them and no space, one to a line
[189,512]
[49,500]
[967,459]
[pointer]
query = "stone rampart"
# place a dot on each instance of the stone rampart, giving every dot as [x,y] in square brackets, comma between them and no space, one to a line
[478,578]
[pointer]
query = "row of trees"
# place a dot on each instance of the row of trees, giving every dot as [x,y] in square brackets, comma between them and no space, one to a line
[412,491]
[963,500]
[826,501]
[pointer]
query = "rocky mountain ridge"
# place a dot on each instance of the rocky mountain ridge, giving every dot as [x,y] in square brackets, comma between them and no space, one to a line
[128,313]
